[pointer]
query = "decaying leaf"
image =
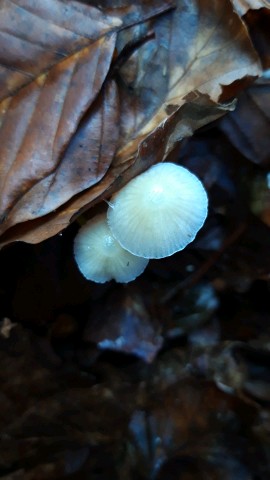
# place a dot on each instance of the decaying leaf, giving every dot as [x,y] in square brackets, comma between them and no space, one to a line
[77,128]
[35,36]
[186,54]
[46,114]
[57,91]
[38,121]
[192,115]
[126,326]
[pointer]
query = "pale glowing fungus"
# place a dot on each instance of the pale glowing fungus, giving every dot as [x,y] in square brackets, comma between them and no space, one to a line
[159,212]
[101,258]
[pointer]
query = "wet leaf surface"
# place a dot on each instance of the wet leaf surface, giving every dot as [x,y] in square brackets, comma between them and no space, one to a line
[128,327]
[43,164]
[35,37]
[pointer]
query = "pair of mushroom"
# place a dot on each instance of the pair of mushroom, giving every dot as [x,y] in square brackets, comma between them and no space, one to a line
[155,215]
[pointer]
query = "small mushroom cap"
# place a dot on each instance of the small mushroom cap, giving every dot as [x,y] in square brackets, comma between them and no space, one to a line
[158,212]
[101,258]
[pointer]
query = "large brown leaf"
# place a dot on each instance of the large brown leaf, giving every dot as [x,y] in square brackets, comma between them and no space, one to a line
[187,54]
[60,65]
[195,113]
[40,118]
[45,115]
[34,36]
[61,148]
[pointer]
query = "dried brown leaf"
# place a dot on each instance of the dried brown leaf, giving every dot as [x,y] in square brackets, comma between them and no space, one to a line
[193,114]
[187,53]
[83,163]
[67,120]
[35,36]
[46,112]
[43,163]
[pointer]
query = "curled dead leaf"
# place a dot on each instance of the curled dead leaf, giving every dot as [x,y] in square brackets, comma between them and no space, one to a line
[248,126]
[195,113]
[73,139]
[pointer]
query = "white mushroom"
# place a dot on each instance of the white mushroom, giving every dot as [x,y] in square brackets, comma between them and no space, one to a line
[158,212]
[101,258]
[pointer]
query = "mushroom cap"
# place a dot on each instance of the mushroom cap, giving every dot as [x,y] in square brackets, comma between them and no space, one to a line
[101,258]
[158,212]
